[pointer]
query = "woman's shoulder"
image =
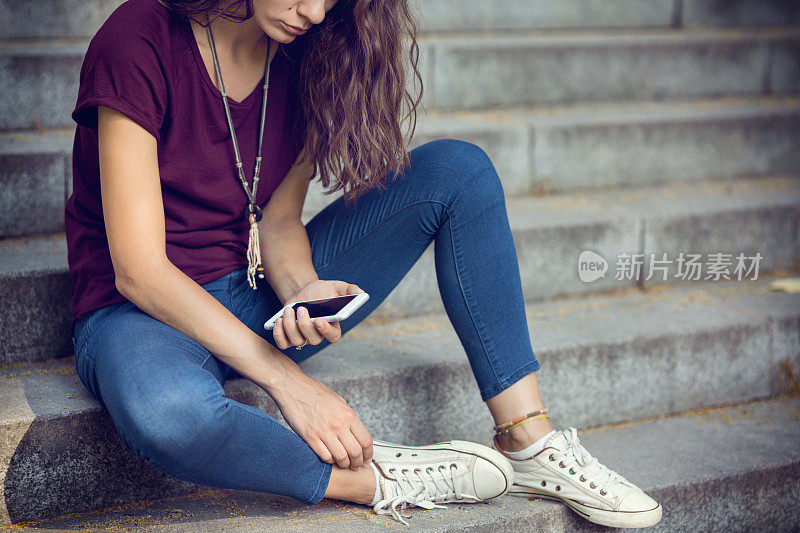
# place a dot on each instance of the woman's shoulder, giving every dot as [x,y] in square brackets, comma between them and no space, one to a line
[132,24]
[129,64]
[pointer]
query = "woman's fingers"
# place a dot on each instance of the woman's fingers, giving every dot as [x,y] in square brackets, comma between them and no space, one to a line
[363,437]
[279,334]
[307,328]
[289,322]
[354,450]
[321,450]
[330,330]
[340,456]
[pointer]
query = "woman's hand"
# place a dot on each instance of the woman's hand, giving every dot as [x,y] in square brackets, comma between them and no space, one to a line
[296,330]
[320,417]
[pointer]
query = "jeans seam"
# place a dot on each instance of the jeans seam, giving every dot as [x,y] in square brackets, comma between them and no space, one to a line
[352,244]
[91,339]
[466,300]
[488,349]
[319,492]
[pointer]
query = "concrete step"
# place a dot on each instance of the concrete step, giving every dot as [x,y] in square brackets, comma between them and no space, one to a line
[491,70]
[739,13]
[598,146]
[541,149]
[551,232]
[605,360]
[82,18]
[56,19]
[40,83]
[731,469]
[476,15]
[35,181]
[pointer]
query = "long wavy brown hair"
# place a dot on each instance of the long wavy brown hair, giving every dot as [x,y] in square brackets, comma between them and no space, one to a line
[351,125]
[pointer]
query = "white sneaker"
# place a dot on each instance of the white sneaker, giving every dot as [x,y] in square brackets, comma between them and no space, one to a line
[566,472]
[445,472]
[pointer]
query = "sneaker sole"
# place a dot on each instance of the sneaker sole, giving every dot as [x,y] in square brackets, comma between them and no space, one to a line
[620,519]
[493,456]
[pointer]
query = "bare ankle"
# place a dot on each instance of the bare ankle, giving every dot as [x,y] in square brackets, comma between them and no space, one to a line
[357,486]
[524,435]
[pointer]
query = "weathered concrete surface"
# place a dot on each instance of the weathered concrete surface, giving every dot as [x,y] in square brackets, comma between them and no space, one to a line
[708,223]
[472,73]
[54,19]
[35,171]
[81,18]
[40,83]
[733,469]
[740,13]
[478,15]
[605,66]
[36,292]
[605,359]
[545,149]
[618,145]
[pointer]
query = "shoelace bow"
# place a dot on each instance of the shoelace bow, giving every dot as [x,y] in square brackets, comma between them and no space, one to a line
[575,453]
[419,487]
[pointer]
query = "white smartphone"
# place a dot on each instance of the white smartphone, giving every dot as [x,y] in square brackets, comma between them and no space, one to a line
[333,309]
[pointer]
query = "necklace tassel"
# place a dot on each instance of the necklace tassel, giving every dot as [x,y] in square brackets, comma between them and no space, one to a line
[254,267]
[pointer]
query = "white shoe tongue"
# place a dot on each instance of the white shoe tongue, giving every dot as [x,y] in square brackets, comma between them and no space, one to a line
[557,441]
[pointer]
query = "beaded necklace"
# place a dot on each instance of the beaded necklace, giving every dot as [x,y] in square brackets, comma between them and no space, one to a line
[253,212]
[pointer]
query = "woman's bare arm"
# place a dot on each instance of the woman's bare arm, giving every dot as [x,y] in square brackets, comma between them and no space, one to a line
[285,249]
[133,211]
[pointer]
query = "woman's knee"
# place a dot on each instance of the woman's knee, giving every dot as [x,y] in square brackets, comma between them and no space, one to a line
[460,166]
[175,427]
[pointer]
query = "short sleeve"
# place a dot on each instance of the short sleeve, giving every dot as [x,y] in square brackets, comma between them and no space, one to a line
[123,70]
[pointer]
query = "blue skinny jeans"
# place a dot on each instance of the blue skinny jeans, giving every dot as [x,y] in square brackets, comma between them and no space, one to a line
[164,390]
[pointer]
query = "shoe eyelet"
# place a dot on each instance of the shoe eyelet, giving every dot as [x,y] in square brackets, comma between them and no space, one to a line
[603,492]
[544,483]
[552,457]
[572,471]
[592,485]
[403,471]
[398,454]
[441,467]
[583,478]
[558,488]
[453,465]
[561,464]
[391,470]
[417,470]
[413,455]
[429,469]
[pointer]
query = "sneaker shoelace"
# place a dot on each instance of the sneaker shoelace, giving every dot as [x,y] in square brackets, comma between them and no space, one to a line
[419,487]
[592,470]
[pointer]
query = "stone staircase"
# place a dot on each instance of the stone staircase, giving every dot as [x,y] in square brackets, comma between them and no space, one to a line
[624,126]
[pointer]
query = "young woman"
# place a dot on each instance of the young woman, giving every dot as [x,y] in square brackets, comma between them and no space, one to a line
[200,125]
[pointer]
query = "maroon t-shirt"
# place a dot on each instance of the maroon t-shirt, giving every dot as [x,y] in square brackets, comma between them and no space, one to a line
[144,62]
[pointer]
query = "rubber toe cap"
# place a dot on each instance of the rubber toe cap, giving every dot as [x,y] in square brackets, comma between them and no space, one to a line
[637,501]
[490,480]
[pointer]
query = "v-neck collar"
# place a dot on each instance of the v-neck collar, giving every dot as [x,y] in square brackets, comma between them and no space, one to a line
[248,100]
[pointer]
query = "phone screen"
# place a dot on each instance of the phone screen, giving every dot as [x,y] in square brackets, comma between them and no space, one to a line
[326,306]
